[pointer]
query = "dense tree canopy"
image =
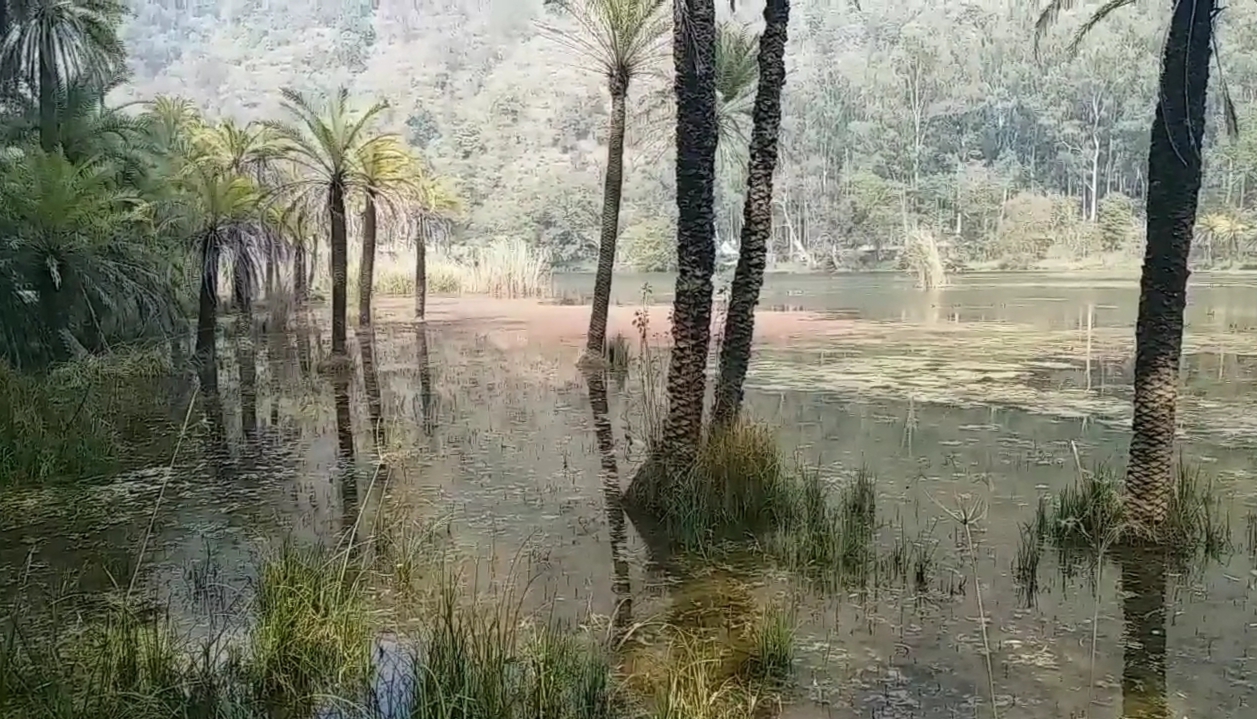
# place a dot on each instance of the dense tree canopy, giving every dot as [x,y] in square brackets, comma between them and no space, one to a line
[924,113]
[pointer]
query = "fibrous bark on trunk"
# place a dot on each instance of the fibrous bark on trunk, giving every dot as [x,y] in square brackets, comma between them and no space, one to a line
[757,220]
[366,270]
[340,269]
[421,267]
[597,338]
[694,54]
[1174,175]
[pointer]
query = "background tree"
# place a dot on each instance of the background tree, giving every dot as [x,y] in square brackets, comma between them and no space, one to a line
[322,144]
[748,278]
[54,42]
[438,204]
[624,38]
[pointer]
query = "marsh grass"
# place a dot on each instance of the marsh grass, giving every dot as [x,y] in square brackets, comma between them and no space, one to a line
[482,660]
[1089,514]
[67,423]
[312,631]
[506,268]
[126,661]
[734,490]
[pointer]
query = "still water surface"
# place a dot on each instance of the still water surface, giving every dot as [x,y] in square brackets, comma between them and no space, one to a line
[989,389]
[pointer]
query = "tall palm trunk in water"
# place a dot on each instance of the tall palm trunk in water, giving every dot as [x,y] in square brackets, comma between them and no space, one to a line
[299,272]
[340,269]
[612,190]
[421,267]
[1174,169]
[757,216]
[1143,614]
[207,310]
[366,271]
[694,53]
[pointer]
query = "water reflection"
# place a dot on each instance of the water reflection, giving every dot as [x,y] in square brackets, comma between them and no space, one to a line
[612,498]
[246,360]
[1143,615]
[427,407]
[371,383]
[345,469]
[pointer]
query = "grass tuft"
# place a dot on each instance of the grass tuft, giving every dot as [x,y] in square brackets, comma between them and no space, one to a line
[1090,514]
[312,632]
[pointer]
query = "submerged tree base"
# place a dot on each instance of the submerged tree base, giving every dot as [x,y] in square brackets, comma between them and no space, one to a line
[1088,518]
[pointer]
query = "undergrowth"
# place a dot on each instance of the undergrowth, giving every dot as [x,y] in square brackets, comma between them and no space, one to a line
[66,424]
[1089,515]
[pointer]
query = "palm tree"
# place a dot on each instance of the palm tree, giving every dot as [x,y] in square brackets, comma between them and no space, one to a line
[748,278]
[323,143]
[247,151]
[1174,177]
[694,54]
[623,37]
[72,271]
[222,216]
[437,205]
[54,42]
[386,175]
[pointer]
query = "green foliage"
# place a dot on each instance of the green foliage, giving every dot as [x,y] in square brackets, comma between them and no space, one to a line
[49,432]
[311,633]
[649,245]
[1115,219]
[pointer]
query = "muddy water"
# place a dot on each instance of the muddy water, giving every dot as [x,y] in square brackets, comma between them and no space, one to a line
[986,391]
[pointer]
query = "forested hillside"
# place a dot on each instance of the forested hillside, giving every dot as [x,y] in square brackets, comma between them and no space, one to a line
[927,114]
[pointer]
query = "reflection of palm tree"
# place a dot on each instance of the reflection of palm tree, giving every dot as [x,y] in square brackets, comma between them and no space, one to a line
[345,446]
[612,497]
[1143,612]
[371,382]
[246,358]
[425,380]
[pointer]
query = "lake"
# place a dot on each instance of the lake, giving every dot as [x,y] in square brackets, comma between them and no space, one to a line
[995,390]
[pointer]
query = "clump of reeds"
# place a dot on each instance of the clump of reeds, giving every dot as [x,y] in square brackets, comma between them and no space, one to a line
[1090,514]
[734,488]
[311,630]
[618,355]
[125,661]
[480,661]
[834,542]
[509,268]
[769,660]
[921,256]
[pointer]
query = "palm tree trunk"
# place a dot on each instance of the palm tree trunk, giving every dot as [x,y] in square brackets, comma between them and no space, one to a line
[694,54]
[1143,615]
[340,267]
[1174,172]
[207,310]
[757,216]
[366,270]
[421,267]
[597,339]
[47,94]
[299,290]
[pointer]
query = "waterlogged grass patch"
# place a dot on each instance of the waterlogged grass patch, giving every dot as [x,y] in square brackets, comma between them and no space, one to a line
[1086,518]
[312,631]
[734,489]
